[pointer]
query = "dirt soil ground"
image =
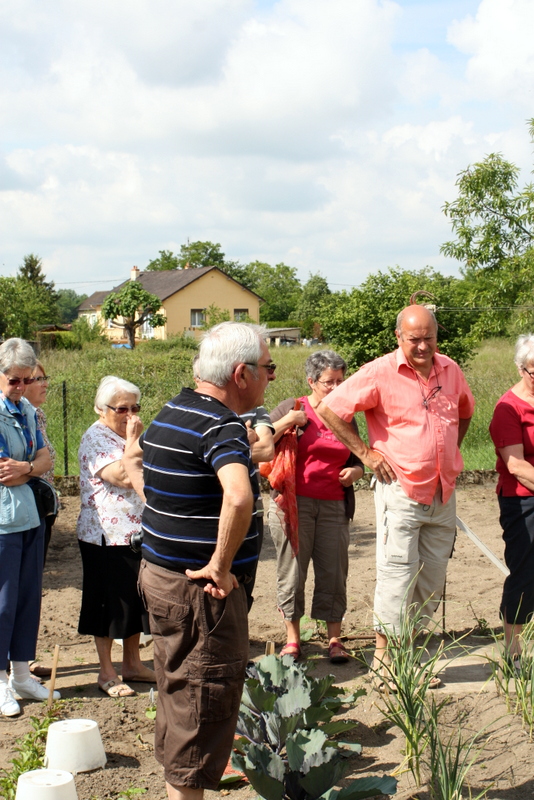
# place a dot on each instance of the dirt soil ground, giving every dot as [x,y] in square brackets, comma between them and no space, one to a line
[473,593]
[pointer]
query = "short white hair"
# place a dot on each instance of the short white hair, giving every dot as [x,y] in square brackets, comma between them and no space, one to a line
[17,352]
[226,345]
[110,387]
[524,350]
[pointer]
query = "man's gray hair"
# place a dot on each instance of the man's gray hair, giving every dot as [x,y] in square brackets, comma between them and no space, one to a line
[225,346]
[110,387]
[524,350]
[16,353]
[318,362]
[401,315]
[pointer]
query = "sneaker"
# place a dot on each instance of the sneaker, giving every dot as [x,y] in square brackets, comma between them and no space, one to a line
[30,689]
[8,705]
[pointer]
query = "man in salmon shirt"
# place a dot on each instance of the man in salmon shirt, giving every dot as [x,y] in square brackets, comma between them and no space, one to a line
[418,407]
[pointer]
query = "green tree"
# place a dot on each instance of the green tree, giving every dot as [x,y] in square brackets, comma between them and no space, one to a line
[166,260]
[24,307]
[131,308]
[67,304]
[201,254]
[278,286]
[314,291]
[494,225]
[31,270]
[491,218]
[362,322]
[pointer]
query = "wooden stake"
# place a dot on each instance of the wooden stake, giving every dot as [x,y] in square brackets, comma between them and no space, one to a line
[53,677]
[269,648]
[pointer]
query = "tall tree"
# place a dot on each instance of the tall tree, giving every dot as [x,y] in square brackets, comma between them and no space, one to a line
[362,322]
[167,260]
[24,307]
[201,254]
[131,308]
[314,291]
[67,304]
[31,270]
[278,286]
[493,220]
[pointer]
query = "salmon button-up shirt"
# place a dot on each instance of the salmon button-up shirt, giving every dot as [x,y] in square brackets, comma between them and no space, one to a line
[412,423]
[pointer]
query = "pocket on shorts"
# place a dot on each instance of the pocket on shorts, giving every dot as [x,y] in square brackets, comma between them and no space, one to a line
[213,611]
[215,690]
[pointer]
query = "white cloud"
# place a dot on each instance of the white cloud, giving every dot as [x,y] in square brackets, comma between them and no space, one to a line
[498,41]
[303,132]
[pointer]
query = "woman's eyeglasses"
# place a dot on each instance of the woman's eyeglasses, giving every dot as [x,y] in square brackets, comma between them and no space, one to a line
[42,379]
[331,384]
[124,409]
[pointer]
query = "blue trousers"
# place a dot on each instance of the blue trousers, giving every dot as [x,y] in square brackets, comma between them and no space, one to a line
[21,580]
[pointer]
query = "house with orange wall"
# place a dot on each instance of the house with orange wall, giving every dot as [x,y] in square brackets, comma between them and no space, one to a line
[185,295]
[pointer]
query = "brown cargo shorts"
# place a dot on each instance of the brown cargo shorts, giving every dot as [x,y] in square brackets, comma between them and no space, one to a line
[200,656]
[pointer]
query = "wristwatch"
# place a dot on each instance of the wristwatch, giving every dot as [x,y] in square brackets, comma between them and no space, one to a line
[31,468]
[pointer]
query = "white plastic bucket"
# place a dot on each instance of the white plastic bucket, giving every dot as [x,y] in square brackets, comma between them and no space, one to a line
[46,784]
[74,745]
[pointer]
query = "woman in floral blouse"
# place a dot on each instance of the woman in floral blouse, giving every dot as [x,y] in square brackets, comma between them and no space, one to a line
[110,513]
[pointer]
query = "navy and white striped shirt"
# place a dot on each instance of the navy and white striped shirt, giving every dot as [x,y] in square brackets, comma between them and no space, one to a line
[193,436]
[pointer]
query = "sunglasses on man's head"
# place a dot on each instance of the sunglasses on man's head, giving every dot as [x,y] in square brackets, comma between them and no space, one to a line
[124,409]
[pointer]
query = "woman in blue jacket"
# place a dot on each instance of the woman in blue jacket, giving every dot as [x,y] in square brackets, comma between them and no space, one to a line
[23,455]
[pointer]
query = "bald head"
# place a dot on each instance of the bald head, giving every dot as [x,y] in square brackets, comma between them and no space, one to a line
[416,314]
[416,333]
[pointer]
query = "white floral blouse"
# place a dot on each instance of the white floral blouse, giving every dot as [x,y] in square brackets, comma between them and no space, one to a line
[106,510]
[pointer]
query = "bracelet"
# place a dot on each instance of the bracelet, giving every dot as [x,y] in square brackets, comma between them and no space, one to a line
[31,468]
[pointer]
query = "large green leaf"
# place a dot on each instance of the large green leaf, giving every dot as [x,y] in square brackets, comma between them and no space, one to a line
[368,787]
[306,748]
[255,696]
[338,726]
[264,769]
[319,687]
[278,728]
[349,747]
[249,725]
[316,714]
[294,701]
[321,778]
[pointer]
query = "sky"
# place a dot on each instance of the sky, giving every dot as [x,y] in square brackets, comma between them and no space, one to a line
[325,134]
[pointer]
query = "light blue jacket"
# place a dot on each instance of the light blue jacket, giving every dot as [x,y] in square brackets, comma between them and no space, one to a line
[18,511]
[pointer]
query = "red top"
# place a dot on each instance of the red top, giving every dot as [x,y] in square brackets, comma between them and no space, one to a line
[320,459]
[419,439]
[512,423]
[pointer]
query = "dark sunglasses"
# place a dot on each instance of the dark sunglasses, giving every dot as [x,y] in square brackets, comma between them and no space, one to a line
[124,409]
[18,381]
[269,367]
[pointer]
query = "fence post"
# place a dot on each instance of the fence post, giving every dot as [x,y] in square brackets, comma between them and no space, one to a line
[65,432]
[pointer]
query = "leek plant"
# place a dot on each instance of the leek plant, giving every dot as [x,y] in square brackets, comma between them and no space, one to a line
[405,676]
[449,760]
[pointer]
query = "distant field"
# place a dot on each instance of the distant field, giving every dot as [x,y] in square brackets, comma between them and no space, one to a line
[160,372]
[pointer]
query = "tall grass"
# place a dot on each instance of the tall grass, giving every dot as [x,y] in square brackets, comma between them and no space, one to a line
[490,374]
[160,369]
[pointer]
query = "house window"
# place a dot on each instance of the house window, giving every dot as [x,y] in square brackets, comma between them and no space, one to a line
[198,317]
[147,331]
[240,314]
